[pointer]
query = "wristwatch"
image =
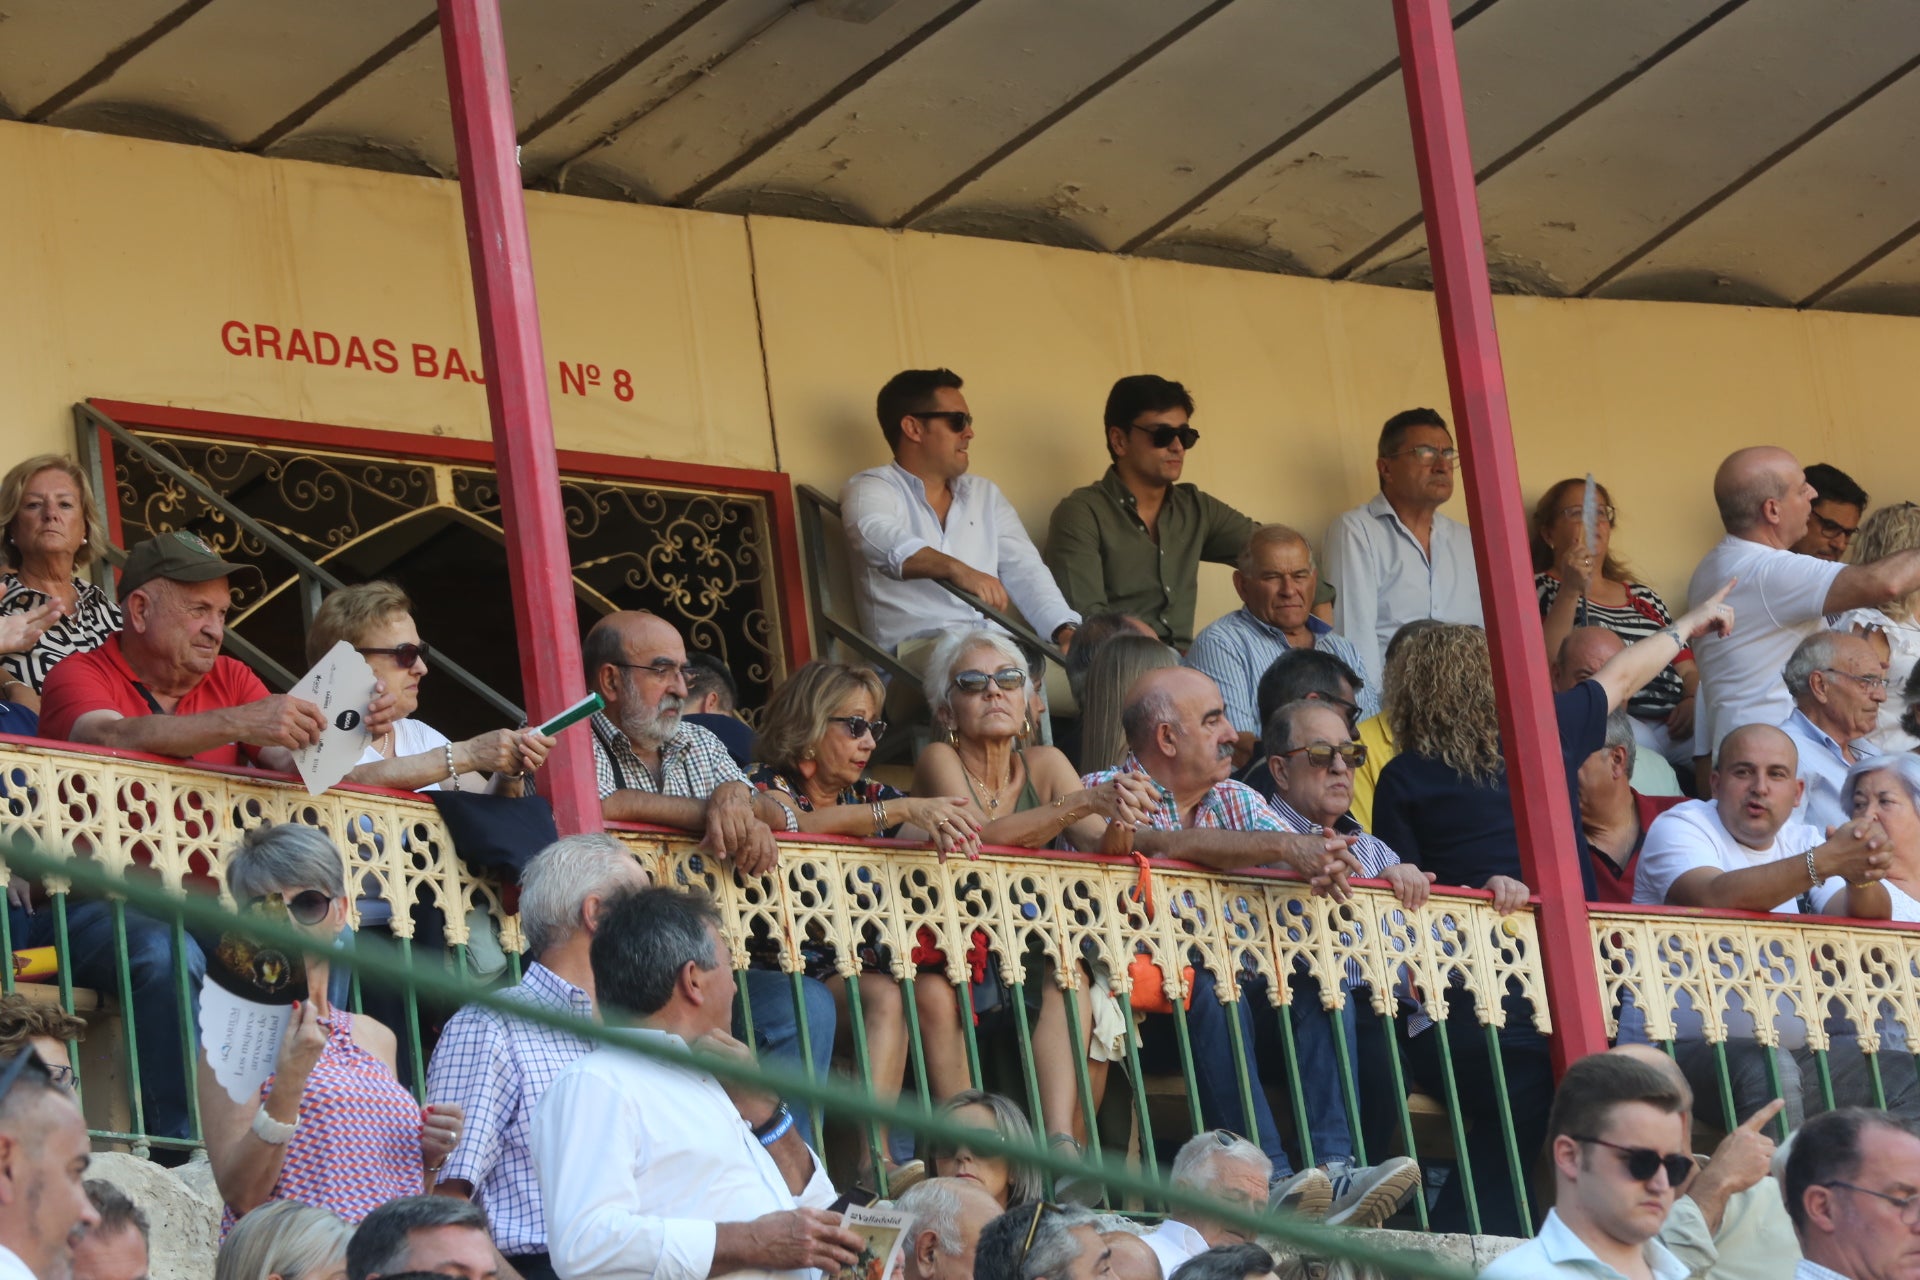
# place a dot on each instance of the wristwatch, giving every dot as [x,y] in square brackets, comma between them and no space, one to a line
[270,1131]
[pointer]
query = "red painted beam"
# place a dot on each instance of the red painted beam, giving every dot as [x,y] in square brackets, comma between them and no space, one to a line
[538,563]
[1541,805]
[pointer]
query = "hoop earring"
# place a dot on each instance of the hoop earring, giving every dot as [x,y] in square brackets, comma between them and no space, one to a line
[952,736]
[1026,725]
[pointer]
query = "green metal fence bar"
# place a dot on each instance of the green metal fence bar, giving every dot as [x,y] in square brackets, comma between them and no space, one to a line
[1725,1078]
[798,986]
[63,948]
[865,1065]
[1343,1054]
[123,974]
[1186,1059]
[963,999]
[1462,1159]
[916,1048]
[6,946]
[1138,1079]
[1775,1089]
[1241,1077]
[1873,1074]
[1083,1075]
[1406,1115]
[398,970]
[1296,1096]
[412,1000]
[190,1026]
[746,1005]
[1029,1069]
[1516,1164]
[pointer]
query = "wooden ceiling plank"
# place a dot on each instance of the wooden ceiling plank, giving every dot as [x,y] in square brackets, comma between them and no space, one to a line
[100,72]
[319,102]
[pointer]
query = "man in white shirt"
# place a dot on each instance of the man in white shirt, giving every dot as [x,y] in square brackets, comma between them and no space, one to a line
[1852,1187]
[638,1158]
[43,1169]
[1619,1158]
[1780,596]
[1224,1167]
[944,1219]
[1397,558]
[922,520]
[1838,681]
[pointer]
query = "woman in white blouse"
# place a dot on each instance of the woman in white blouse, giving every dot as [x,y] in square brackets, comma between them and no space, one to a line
[1887,789]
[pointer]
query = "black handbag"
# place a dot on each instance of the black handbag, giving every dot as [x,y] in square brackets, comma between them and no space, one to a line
[496,836]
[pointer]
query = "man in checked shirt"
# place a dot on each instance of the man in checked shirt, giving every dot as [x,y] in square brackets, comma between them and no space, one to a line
[497,1067]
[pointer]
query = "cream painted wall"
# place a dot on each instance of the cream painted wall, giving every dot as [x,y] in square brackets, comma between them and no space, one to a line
[761,342]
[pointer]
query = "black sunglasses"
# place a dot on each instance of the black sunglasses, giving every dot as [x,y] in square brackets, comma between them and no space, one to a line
[403,655]
[309,906]
[1163,436]
[1320,755]
[1008,678]
[859,727]
[956,420]
[1643,1162]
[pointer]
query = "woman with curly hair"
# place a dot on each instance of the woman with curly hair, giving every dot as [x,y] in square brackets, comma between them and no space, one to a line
[1895,624]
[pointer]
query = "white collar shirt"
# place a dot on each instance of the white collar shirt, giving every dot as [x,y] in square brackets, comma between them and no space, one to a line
[888,518]
[1823,769]
[1383,579]
[639,1160]
[1173,1242]
[11,1266]
[1814,1271]
[1557,1251]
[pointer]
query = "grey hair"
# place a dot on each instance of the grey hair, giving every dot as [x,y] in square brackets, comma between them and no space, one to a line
[289,856]
[1816,653]
[1620,734]
[1146,712]
[555,886]
[1274,535]
[282,1238]
[382,1242]
[1194,1163]
[933,1206]
[952,646]
[1904,766]
[1023,1181]
[1054,1248]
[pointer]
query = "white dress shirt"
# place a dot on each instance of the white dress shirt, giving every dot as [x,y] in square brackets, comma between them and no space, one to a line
[1556,1251]
[1814,1271]
[12,1268]
[638,1160]
[1777,603]
[1384,579]
[1824,771]
[1173,1242]
[888,518]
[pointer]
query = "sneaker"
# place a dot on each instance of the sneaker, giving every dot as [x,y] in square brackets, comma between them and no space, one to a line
[1307,1195]
[1367,1195]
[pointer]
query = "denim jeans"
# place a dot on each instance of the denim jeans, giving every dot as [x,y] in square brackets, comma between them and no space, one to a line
[155,1014]
[776,1028]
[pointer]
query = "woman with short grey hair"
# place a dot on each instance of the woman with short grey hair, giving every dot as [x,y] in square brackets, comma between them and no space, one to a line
[332,1126]
[285,1240]
[1883,789]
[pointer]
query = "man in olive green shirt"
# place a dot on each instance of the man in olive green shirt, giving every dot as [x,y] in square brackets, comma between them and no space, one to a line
[1133,541]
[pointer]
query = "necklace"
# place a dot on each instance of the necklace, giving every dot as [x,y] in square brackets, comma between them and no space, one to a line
[992,802]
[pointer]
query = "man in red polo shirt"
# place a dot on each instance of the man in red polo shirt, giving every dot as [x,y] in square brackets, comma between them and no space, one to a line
[161,684]
[1614,815]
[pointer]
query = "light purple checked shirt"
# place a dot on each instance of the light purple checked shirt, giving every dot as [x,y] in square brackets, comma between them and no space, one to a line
[497,1068]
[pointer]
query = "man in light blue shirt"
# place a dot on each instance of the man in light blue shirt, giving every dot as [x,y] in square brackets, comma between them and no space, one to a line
[922,520]
[1852,1187]
[1397,558]
[1276,578]
[1619,1159]
[1838,681]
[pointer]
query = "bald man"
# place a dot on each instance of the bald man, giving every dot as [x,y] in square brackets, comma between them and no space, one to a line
[1585,651]
[1133,1258]
[1731,1223]
[1765,503]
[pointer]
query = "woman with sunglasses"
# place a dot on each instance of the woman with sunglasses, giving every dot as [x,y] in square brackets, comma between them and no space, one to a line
[1029,797]
[332,1126]
[376,618]
[816,737]
[1008,1183]
[1582,587]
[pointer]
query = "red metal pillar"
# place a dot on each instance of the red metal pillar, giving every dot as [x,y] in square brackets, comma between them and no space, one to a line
[1541,806]
[538,564]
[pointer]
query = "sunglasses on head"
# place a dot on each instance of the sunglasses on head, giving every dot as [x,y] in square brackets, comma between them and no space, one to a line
[403,655]
[27,1060]
[1643,1162]
[1320,755]
[1040,1208]
[859,727]
[1162,436]
[1008,678]
[309,906]
[956,420]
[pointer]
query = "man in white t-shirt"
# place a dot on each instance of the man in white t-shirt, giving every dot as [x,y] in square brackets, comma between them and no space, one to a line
[1780,597]
[1743,851]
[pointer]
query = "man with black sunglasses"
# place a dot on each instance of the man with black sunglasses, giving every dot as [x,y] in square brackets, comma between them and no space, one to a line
[1619,1160]
[43,1167]
[1133,540]
[922,520]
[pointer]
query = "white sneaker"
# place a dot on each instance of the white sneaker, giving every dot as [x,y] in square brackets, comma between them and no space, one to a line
[1367,1195]
[1308,1194]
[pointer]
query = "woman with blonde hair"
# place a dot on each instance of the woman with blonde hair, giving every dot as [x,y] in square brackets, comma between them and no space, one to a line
[1894,625]
[50,529]
[285,1240]
[1121,661]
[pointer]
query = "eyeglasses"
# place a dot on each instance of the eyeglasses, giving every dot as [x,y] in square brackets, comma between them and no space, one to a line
[1869,683]
[1162,436]
[859,727]
[1603,511]
[1834,529]
[403,655]
[661,668]
[1909,1206]
[957,421]
[1643,1162]
[1040,1208]
[1429,454]
[309,906]
[1320,755]
[60,1073]
[1008,678]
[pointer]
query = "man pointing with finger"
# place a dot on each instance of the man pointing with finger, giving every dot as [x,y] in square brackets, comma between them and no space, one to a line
[651,1169]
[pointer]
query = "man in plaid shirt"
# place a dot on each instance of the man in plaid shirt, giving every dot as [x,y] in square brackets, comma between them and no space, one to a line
[497,1067]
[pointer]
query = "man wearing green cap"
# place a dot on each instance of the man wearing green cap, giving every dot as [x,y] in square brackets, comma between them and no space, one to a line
[161,684]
